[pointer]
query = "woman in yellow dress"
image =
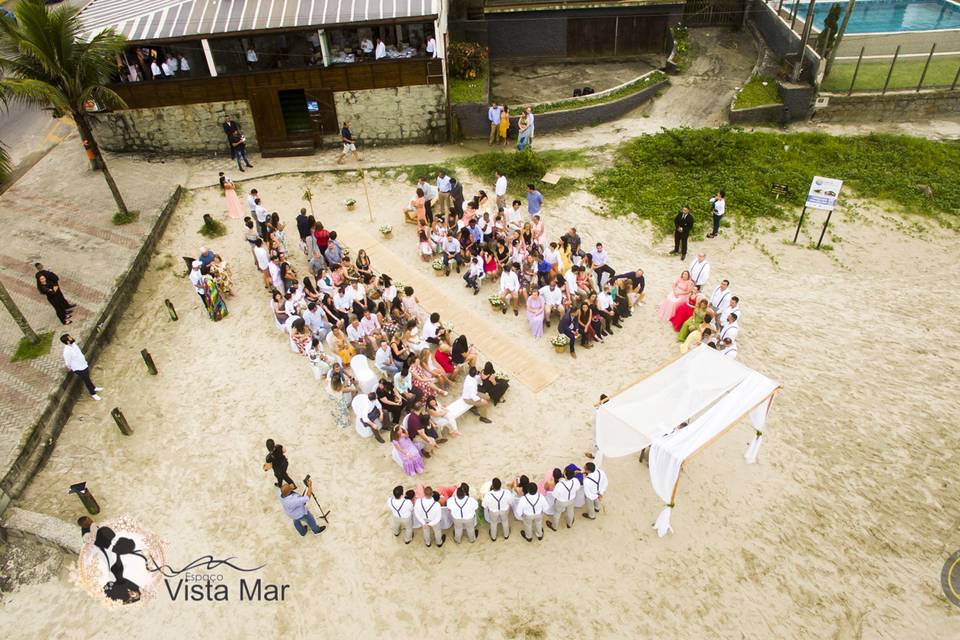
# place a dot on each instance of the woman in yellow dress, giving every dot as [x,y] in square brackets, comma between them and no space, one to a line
[504,124]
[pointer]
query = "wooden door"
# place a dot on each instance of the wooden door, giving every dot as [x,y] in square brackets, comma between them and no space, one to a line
[267,116]
[591,37]
[325,119]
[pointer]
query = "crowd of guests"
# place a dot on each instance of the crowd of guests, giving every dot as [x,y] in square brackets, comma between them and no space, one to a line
[486,241]
[530,503]
[390,368]
[697,319]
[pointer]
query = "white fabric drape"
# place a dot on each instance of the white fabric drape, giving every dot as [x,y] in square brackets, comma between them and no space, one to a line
[662,525]
[758,418]
[753,450]
[632,419]
[669,452]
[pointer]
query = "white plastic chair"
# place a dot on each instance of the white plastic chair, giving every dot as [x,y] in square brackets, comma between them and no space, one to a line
[366,379]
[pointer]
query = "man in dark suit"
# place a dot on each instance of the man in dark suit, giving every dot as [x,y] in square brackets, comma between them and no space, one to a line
[683,224]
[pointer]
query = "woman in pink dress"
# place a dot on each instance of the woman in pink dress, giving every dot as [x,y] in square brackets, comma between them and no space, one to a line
[535,312]
[684,311]
[234,208]
[681,289]
[405,453]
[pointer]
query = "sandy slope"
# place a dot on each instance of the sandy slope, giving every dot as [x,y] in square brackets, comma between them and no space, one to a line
[839,531]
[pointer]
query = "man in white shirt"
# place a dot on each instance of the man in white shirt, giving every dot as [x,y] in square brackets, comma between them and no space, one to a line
[510,289]
[719,203]
[196,279]
[273,268]
[316,320]
[731,328]
[431,47]
[594,487]
[552,300]
[500,188]
[263,261]
[451,251]
[73,358]
[728,348]
[401,513]
[472,396]
[366,45]
[564,495]
[443,194]
[343,300]
[385,361]
[601,263]
[608,311]
[720,297]
[700,271]
[732,308]
[515,217]
[371,325]
[155,70]
[433,331]
[463,508]
[261,214]
[530,509]
[496,509]
[427,513]
[474,275]
[184,65]
[165,68]
[359,338]
[252,202]
[251,57]
[570,280]
[380,51]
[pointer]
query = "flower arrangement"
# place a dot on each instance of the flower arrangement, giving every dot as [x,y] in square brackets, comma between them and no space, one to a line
[437,265]
[503,376]
[386,230]
[560,340]
[399,285]
[495,301]
[350,203]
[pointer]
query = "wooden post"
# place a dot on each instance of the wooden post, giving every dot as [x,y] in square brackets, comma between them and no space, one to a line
[207,220]
[89,502]
[148,359]
[926,66]
[171,310]
[856,70]
[799,224]
[890,72]
[121,421]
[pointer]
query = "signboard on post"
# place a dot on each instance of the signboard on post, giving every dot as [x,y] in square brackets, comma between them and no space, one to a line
[823,193]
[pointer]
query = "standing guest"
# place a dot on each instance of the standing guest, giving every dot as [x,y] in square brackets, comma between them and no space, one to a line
[504,128]
[530,509]
[303,227]
[443,194]
[719,204]
[427,512]
[491,385]
[472,395]
[493,119]
[510,289]
[568,327]
[679,293]
[295,506]
[86,524]
[700,271]
[733,307]
[73,358]
[230,127]
[262,216]
[418,207]
[531,125]
[50,278]
[238,144]
[720,298]
[456,194]
[731,328]
[535,313]
[496,509]
[61,307]
[600,262]
[463,508]
[728,348]
[429,195]
[380,51]
[500,189]
[401,512]
[184,65]
[594,488]
[349,144]
[213,299]
[278,463]
[431,46]
[564,493]
[523,131]
[572,239]
[196,278]
[263,261]
[534,199]
[252,204]
[683,224]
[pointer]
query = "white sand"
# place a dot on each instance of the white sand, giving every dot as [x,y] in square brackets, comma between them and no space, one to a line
[839,531]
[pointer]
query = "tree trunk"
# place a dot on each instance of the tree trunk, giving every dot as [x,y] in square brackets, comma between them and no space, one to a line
[86,132]
[18,316]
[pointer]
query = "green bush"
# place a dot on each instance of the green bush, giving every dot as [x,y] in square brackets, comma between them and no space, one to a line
[758,92]
[465,60]
[524,167]
[657,174]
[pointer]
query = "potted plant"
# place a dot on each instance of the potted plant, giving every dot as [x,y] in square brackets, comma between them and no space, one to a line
[350,204]
[386,231]
[495,302]
[438,267]
[560,343]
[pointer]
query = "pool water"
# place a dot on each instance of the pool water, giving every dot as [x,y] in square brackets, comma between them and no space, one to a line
[880,16]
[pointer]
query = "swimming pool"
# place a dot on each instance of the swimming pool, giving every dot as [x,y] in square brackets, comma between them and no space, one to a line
[884,16]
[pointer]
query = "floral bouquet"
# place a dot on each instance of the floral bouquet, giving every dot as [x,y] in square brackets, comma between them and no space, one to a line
[495,301]
[438,264]
[350,203]
[504,377]
[560,340]
[386,230]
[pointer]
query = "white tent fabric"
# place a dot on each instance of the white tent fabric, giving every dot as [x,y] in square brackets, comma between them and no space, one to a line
[633,419]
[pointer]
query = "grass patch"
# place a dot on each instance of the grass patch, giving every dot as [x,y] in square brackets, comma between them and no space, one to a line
[523,167]
[28,351]
[575,103]
[906,74]
[121,219]
[759,91]
[655,175]
[474,90]
[212,229]
[685,48]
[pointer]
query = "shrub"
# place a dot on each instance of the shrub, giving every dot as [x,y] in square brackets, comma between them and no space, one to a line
[465,60]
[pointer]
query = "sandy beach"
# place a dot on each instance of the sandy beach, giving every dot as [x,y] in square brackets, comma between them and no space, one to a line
[840,531]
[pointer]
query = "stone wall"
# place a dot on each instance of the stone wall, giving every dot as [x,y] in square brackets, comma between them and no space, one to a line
[182,129]
[893,107]
[399,114]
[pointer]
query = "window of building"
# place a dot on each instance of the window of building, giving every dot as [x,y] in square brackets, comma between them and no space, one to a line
[169,61]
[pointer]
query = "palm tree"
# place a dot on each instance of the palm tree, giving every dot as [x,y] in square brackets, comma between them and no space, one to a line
[5,298]
[47,63]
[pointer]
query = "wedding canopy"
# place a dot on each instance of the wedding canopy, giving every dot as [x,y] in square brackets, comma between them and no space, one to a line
[704,389]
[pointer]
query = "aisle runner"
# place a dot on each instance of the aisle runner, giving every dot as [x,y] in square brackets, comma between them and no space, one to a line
[521,358]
